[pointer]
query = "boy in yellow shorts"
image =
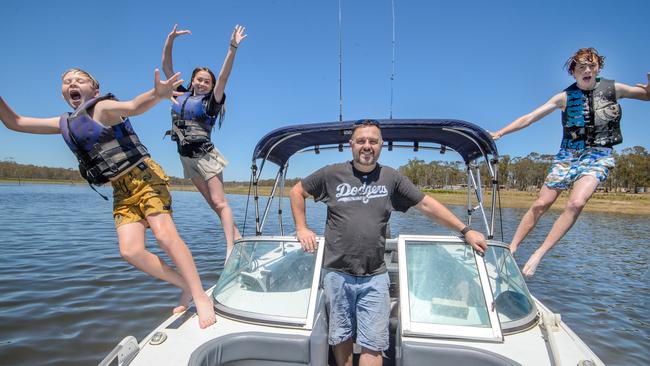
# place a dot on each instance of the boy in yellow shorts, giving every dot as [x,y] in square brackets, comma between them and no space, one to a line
[100,134]
[141,192]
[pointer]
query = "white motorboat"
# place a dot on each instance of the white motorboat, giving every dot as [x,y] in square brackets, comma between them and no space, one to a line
[450,304]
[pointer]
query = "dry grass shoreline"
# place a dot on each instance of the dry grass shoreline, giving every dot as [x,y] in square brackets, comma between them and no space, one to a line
[618,203]
[633,204]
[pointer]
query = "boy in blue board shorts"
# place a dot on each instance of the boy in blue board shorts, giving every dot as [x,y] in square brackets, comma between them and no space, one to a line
[591,118]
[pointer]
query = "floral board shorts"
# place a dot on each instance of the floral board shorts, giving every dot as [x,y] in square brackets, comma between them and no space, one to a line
[141,192]
[206,167]
[569,165]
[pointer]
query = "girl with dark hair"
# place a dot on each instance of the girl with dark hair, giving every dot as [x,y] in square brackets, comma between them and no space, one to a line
[194,115]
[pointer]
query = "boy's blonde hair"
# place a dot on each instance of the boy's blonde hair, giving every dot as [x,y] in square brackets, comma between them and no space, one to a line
[93,81]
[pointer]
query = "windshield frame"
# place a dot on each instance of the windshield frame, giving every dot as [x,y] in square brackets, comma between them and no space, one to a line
[514,326]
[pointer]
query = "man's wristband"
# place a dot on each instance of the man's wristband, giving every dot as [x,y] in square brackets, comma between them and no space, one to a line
[233,46]
[465,230]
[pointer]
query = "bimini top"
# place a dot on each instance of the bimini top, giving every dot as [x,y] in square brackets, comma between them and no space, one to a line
[468,139]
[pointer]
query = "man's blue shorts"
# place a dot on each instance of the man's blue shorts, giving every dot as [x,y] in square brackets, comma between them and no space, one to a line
[358,304]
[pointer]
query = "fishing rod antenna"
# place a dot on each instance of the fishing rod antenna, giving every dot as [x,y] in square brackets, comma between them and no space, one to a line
[340,68]
[392,75]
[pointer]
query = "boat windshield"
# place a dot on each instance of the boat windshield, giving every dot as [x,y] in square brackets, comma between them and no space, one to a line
[444,285]
[270,278]
[511,297]
[445,292]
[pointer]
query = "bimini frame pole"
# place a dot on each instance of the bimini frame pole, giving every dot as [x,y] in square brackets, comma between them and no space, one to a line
[248,197]
[256,199]
[495,188]
[470,208]
[270,199]
[259,225]
[476,181]
[493,172]
[282,181]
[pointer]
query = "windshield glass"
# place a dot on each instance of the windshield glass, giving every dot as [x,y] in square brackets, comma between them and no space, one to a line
[267,277]
[512,299]
[444,286]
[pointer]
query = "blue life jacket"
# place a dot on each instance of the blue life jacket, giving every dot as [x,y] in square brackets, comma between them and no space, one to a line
[592,118]
[191,124]
[103,152]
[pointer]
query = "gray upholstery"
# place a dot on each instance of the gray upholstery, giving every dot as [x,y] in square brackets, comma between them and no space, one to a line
[262,349]
[417,354]
[255,348]
[318,346]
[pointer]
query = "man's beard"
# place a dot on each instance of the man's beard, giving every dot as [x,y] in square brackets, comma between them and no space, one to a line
[361,161]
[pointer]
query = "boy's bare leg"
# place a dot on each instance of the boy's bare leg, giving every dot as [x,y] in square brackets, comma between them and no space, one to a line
[582,191]
[543,202]
[132,248]
[164,230]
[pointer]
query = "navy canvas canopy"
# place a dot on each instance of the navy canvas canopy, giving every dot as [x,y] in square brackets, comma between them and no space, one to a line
[468,139]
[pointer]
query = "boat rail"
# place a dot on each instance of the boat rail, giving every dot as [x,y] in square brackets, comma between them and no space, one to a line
[124,352]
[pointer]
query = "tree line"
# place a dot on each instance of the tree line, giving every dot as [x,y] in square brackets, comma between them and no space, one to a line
[528,173]
[519,173]
[9,169]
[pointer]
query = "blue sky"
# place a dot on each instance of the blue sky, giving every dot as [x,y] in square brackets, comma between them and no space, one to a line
[486,62]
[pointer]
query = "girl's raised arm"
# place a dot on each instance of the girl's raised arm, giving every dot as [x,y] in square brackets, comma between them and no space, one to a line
[235,39]
[167,64]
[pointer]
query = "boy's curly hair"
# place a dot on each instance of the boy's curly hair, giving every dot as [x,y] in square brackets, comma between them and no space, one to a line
[584,55]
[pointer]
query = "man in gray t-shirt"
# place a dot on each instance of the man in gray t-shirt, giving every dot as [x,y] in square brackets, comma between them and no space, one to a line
[360,196]
[359,207]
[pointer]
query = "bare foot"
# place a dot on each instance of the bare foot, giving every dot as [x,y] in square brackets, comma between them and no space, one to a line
[183,302]
[513,249]
[205,309]
[531,266]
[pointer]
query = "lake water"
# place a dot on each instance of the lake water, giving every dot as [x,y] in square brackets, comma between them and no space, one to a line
[67,297]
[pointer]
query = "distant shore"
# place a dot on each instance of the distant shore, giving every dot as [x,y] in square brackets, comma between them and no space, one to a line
[623,203]
[618,203]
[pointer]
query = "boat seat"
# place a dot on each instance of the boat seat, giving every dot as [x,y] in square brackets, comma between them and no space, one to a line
[393,329]
[253,349]
[416,354]
[391,259]
[272,349]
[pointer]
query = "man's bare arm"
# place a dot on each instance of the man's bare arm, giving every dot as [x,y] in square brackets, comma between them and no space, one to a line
[307,238]
[435,210]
